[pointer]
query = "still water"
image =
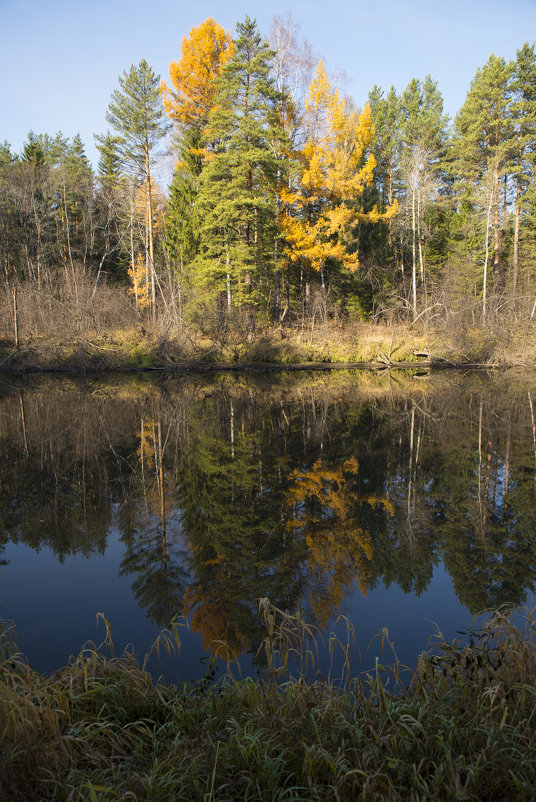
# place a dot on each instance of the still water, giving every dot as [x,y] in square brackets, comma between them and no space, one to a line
[405,502]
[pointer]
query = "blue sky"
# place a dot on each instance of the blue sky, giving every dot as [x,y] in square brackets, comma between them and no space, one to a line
[60,59]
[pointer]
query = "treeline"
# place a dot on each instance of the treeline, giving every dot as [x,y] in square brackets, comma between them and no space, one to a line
[287,203]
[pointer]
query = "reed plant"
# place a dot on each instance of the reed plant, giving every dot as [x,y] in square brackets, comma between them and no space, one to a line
[462,725]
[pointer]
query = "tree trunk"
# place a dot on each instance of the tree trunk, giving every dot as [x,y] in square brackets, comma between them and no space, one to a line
[486,258]
[515,274]
[414,255]
[228,274]
[150,229]
[496,238]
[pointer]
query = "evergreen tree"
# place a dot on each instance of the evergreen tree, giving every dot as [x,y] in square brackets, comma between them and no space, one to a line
[34,176]
[10,233]
[480,148]
[237,182]
[135,112]
[109,205]
[524,135]
[423,143]
[181,226]
[74,191]
[382,256]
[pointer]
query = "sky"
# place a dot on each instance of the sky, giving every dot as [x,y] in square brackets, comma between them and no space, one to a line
[60,59]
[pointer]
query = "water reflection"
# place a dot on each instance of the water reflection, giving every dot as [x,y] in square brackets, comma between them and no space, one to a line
[298,489]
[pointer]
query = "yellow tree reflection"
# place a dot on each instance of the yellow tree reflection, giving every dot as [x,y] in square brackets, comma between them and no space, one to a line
[214,621]
[324,505]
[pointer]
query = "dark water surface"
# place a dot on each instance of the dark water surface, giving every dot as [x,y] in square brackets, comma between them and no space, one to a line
[401,501]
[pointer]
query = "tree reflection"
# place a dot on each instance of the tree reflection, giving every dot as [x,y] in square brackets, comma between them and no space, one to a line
[153,552]
[323,506]
[228,491]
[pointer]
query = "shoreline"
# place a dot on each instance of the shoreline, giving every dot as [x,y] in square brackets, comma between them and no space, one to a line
[359,346]
[463,722]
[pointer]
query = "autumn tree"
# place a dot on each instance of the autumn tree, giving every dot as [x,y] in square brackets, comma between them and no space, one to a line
[189,99]
[292,68]
[321,506]
[321,212]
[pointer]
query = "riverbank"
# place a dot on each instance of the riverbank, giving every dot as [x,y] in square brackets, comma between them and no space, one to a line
[353,345]
[462,726]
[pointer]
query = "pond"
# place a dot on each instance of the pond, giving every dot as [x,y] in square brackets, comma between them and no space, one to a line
[394,501]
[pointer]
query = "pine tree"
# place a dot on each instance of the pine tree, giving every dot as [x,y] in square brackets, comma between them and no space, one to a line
[109,207]
[11,235]
[73,185]
[237,182]
[377,243]
[135,112]
[36,194]
[386,117]
[480,148]
[181,226]
[188,101]
[424,138]
[523,157]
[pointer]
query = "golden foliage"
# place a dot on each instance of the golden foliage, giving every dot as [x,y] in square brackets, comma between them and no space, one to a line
[158,203]
[139,288]
[323,505]
[211,618]
[203,55]
[337,165]
[158,484]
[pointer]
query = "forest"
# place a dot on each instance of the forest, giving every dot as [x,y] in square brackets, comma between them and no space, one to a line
[289,206]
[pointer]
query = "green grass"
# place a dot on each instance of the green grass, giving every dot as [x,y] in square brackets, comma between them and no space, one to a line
[462,728]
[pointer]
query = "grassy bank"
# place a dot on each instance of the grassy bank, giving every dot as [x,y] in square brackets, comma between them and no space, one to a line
[463,727]
[140,347]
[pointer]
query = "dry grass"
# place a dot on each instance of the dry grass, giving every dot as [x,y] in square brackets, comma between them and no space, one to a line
[75,326]
[464,727]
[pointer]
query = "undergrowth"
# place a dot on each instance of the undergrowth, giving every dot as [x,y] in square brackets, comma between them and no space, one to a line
[171,347]
[462,727]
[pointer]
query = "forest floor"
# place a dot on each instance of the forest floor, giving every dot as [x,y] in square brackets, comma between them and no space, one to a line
[325,345]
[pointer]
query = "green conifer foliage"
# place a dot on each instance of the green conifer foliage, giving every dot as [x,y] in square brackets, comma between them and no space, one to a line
[181,224]
[523,160]
[136,113]
[480,146]
[237,207]
[109,207]
[378,245]
[11,235]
